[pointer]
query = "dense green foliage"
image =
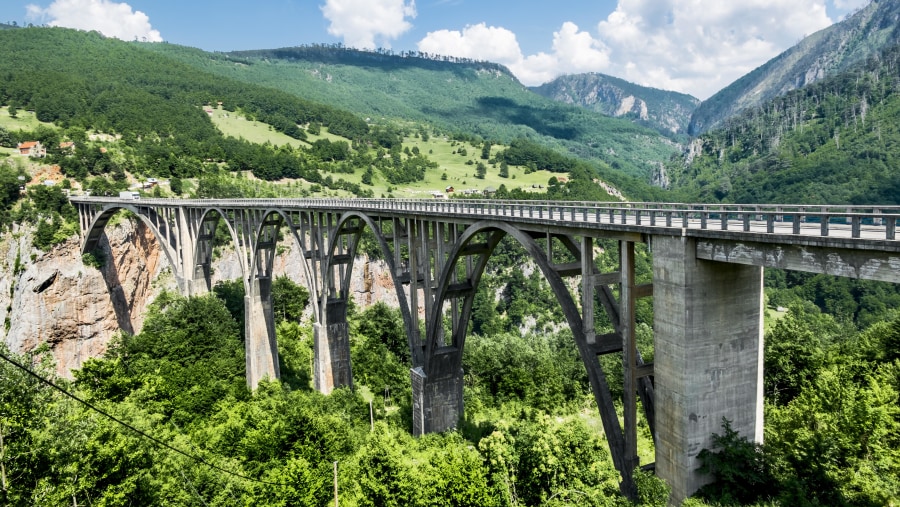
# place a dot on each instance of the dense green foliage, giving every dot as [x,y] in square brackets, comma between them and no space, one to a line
[833,142]
[181,380]
[449,95]
[832,419]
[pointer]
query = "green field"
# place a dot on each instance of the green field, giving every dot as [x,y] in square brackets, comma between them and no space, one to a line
[24,120]
[237,125]
[460,174]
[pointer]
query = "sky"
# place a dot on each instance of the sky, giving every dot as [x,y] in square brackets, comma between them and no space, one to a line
[690,46]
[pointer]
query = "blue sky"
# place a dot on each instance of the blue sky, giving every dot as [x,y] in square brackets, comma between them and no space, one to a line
[691,46]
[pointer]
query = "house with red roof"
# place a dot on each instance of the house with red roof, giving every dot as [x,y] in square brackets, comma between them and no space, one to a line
[32,149]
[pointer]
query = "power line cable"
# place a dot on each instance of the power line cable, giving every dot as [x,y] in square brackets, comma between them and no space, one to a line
[132,428]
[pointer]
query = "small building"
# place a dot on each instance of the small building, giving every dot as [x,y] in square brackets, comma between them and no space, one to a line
[67,146]
[449,190]
[489,191]
[438,195]
[32,149]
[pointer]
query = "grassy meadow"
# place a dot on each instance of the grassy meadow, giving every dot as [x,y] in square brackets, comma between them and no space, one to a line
[459,169]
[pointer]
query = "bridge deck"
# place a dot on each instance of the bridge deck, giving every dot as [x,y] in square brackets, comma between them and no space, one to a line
[845,227]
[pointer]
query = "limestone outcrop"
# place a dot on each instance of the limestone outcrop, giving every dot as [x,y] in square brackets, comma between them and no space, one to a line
[53,298]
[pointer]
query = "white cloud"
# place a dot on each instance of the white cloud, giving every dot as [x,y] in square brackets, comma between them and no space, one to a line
[696,47]
[113,19]
[479,41]
[573,51]
[702,46]
[361,22]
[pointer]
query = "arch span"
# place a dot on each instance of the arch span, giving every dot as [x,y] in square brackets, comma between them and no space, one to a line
[261,340]
[442,378]
[164,235]
[354,235]
[204,243]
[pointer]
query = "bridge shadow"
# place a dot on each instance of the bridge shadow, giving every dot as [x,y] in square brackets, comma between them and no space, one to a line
[117,296]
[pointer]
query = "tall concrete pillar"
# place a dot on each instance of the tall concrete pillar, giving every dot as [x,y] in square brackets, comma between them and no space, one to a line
[708,357]
[261,346]
[331,349]
[200,284]
[437,396]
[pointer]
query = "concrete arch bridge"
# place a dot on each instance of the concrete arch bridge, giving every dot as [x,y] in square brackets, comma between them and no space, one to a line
[707,289]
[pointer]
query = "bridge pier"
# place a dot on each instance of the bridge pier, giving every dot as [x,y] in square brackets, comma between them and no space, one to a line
[708,357]
[437,397]
[261,347]
[331,359]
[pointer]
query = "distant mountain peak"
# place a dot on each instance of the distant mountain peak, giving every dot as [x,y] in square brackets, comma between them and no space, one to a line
[824,53]
[665,111]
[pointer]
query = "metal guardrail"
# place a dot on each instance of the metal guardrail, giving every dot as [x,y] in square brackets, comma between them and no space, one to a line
[826,221]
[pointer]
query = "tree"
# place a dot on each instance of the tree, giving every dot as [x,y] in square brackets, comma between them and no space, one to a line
[24,402]
[486,151]
[742,469]
[289,299]
[189,355]
[480,171]
[176,186]
[504,169]
[794,353]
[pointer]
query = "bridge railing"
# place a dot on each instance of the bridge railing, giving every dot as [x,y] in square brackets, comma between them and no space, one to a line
[873,222]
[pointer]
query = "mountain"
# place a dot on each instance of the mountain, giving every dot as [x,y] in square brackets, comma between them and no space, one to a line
[451,95]
[836,141]
[665,111]
[824,53]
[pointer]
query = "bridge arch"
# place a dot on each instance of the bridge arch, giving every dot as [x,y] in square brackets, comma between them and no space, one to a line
[204,242]
[261,341]
[146,216]
[353,224]
[444,360]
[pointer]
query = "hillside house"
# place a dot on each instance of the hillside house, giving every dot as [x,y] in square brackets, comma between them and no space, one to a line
[32,149]
[67,146]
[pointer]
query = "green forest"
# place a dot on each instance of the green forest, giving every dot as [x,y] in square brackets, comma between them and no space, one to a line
[165,416]
[472,98]
[834,141]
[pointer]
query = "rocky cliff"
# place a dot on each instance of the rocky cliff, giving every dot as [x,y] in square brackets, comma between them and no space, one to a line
[665,111]
[52,298]
[824,53]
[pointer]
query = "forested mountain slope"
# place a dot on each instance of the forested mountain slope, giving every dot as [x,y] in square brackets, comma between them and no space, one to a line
[452,95]
[836,141]
[824,53]
[665,111]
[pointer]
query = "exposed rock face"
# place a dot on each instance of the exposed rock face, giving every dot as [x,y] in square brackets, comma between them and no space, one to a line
[667,112]
[824,53]
[53,298]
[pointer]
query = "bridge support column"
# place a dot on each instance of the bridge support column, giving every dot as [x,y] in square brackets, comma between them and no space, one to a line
[437,399]
[261,347]
[708,357]
[331,352]
[199,285]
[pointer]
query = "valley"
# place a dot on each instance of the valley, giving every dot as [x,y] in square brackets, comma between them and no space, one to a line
[111,328]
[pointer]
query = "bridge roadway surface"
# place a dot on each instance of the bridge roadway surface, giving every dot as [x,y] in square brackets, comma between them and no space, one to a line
[706,284]
[865,227]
